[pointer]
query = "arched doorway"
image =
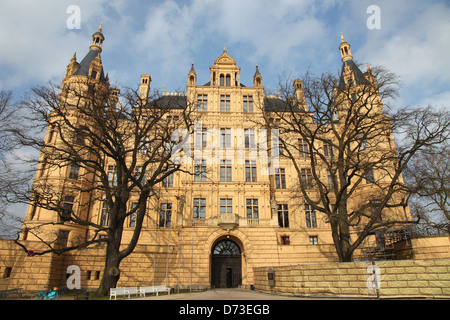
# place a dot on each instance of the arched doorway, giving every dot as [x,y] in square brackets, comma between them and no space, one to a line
[226,265]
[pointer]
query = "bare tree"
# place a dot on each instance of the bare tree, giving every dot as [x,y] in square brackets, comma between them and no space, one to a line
[98,148]
[339,134]
[428,179]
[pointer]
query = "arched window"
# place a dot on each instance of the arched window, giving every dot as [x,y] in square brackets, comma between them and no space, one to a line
[226,247]
[222,80]
[228,80]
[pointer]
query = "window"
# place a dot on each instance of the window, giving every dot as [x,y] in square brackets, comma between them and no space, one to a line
[252,209]
[104,220]
[199,208]
[226,206]
[225,170]
[144,146]
[228,80]
[280,178]
[63,237]
[225,103]
[134,209]
[306,178]
[330,179]
[165,215]
[93,74]
[7,272]
[222,80]
[67,208]
[112,175]
[285,240]
[200,171]
[249,138]
[313,240]
[74,171]
[139,175]
[202,103]
[168,181]
[283,215]
[303,148]
[248,104]
[250,171]
[225,138]
[310,215]
[369,176]
[327,149]
[201,137]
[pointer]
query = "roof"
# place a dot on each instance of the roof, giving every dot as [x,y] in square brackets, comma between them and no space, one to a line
[278,105]
[359,76]
[169,101]
[83,70]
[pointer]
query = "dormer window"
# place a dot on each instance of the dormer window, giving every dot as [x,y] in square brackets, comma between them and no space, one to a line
[94,74]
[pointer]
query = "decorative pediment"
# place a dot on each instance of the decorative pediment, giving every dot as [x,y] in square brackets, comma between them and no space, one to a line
[225,59]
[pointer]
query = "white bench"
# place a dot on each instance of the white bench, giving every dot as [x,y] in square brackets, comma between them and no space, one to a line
[153,289]
[114,292]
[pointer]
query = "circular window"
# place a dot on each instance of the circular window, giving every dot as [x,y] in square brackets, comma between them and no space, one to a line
[226,247]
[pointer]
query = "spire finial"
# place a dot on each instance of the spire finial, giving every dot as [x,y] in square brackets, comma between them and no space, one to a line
[101,27]
[342,38]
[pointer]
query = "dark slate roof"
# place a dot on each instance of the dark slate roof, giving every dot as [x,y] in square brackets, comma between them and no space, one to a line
[84,65]
[359,76]
[169,102]
[278,105]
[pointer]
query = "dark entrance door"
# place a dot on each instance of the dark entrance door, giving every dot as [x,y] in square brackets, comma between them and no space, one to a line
[226,269]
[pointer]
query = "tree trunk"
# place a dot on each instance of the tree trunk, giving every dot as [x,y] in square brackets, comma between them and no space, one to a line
[111,273]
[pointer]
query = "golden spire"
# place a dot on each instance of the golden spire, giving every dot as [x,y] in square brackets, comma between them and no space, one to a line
[101,28]
[342,38]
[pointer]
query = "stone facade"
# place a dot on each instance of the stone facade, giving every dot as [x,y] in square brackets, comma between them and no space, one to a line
[238,203]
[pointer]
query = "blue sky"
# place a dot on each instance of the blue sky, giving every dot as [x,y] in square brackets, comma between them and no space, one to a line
[163,37]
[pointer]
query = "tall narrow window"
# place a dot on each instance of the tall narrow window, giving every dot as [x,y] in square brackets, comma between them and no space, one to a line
[225,103]
[165,215]
[67,208]
[104,221]
[250,171]
[252,209]
[62,239]
[222,80]
[225,170]
[201,138]
[303,148]
[132,222]
[112,175]
[369,176]
[248,104]
[225,138]
[283,215]
[310,215]
[226,206]
[200,171]
[168,181]
[199,209]
[228,80]
[306,178]
[74,171]
[202,103]
[249,138]
[280,178]
[327,149]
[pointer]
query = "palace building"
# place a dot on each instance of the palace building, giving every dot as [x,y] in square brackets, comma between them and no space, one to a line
[204,230]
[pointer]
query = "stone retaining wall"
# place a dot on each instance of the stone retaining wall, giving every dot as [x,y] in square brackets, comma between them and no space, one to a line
[408,278]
